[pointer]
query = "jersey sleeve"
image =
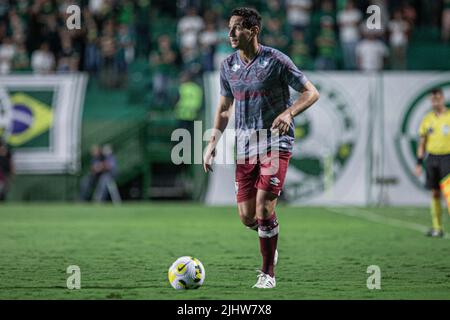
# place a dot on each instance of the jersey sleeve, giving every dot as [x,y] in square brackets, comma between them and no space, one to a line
[290,74]
[225,89]
[423,127]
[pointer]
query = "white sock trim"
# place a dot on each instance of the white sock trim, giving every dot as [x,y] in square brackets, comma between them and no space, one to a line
[268,233]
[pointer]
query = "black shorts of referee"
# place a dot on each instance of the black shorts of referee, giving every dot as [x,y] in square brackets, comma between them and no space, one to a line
[437,167]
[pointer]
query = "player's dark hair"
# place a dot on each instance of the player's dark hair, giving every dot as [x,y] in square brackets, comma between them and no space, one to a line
[437,90]
[251,17]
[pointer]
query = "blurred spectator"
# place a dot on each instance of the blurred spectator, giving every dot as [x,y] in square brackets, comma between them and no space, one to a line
[50,33]
[299,52]
[21,62]
[210,17]
[108,51]
[398,40]
[274,9]
[125,50]
[126,12]
[188,28]
[446,21]
[42,60]
[326,9]
[7,52]
[299,13]
[409,14]
[191,61]
[3,30]
[89,182]
[208,41]
[17,26]
[326,45]
[107,180]
[126,45]
[163,62]
[349,20]
[68,58]
[114,33]
[6,169]
[4,8]
[142,28]
[223,48]
[371,53]
[189,102]
[274,35]
[96,6]
[92,55]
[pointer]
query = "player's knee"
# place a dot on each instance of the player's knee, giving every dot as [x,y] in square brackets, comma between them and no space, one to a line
[436,193]
[246,218]
[263,209]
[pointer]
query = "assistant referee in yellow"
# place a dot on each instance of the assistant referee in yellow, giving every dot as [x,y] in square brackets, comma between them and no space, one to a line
[434,142]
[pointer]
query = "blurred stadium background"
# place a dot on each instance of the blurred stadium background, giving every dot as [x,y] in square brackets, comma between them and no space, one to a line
[136,70]
[139,69]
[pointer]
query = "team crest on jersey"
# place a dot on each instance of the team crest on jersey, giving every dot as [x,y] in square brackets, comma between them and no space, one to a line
[235,67]
[445,130]
[262,71]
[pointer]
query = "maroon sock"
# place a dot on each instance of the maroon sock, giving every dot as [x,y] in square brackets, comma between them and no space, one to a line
[268,238]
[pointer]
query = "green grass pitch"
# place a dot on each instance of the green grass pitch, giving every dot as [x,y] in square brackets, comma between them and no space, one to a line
[124,252]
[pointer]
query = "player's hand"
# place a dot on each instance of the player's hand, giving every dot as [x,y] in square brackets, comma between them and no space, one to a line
[418,170]
[282,123]
[208,157]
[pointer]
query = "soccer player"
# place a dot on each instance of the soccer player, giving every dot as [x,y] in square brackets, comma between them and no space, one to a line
[256,78]
[434,140]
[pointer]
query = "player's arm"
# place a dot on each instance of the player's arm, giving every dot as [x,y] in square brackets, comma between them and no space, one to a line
[220,123]
[308,97]
[420,154]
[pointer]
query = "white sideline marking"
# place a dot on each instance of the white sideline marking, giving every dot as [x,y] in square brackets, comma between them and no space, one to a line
[370,216]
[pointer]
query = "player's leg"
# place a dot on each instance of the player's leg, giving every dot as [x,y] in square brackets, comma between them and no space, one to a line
[436,214]
[245,179]
[247,213]
[270,184]
[432,183]
[445,179]
[267,229]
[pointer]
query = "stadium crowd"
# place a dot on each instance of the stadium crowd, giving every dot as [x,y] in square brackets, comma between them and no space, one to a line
[191,35]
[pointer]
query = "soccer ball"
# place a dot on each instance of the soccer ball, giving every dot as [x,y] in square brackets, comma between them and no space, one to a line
[186,273]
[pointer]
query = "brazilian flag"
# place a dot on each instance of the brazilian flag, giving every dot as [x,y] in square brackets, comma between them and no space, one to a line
[32,119]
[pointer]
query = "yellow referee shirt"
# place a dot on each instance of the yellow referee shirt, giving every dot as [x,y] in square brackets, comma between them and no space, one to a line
[437,130]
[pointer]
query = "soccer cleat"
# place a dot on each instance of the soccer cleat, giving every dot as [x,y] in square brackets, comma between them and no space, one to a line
[275,258]
[265,281]
[433,233]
